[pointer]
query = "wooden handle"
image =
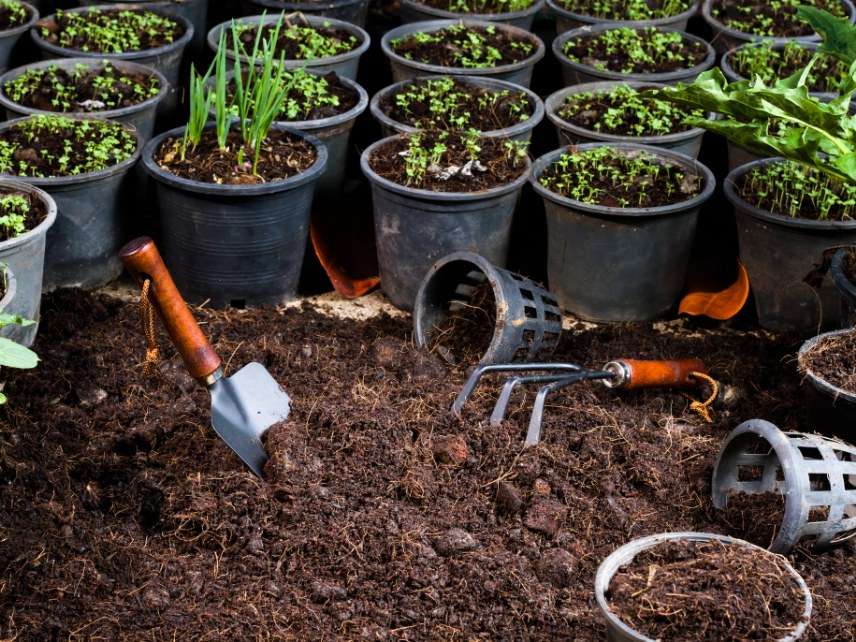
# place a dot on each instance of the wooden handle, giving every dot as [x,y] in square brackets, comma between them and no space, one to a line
[143,261]
[642,373]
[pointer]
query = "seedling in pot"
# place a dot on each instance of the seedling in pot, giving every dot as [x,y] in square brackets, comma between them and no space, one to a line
[624,111]
[292,39]
[776,19]
[110,31]
[621,10]
[12,14]
[19,213]
[481,6]
[629,50]
[768,62]
[464,46]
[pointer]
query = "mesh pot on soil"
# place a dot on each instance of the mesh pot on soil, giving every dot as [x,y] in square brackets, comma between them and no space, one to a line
[166,59]
[619,631]
[725,38]
[413,11]
[815,474]
[141,116]
[416,227]
[683,142]
[519,73]
[353,11]
[831,407]
[575,73]
[235,244]
[567,20]
[345,64]
[619,264]
[519,131]
[9,38]
[527,319]
[779,252]
[25,257]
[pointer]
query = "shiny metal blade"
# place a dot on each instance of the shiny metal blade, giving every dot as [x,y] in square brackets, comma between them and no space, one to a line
[243,407]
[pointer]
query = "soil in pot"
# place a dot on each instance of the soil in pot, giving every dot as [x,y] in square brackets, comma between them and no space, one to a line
[109,31]
[466,333]
[833,359]
[53,146]
[20,212]
[627,50]
[449,103]
[625,111]
[771,63]
[87,88]
[754,517]
[707,591]
[770,19]
[620,178]
[792,189]
[282,155]
[464,46]
[627,9]
[480,6]
[300,41]
[13,14]
[442,161]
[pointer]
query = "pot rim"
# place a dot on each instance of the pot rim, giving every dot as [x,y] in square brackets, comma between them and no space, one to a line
[8,275]
[64,52]
[666,76]
[313,20]
[436,25]
[557,98]
[198,187]
[716,25]
[425,194]
[40,229]
[817,381]
[21,29]
[628,552]
[12,74]
[492,83]
[61,181]
[696,201]
[771,217]
[442,14]
[556,8]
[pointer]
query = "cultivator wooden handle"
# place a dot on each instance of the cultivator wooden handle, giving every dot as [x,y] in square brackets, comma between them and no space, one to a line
[143,261]
[631,374]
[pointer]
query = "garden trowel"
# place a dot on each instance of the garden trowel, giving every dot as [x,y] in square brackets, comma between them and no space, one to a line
[244,405]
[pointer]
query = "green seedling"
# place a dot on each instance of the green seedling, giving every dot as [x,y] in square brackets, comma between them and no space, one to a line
[111,31]
[628,9]
[466,46]
[641,50]
[772,18]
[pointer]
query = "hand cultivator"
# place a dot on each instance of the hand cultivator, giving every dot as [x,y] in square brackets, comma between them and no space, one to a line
[628,374]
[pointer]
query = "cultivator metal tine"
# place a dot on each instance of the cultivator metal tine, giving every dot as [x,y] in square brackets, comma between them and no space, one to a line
[499,410]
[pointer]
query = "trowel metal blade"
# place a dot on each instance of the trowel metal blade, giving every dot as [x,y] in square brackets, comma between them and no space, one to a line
[243,407]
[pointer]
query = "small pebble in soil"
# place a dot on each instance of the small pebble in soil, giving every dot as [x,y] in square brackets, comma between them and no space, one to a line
[545,516]
[327,591]
[556,566]
[454,541]
[508,499]
[450,451]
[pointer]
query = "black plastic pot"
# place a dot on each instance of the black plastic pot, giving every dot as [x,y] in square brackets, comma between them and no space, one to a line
[166,59]
[686,142]
[779,252]
[725,38]
[846,288]
[235,244]
[25,257]
[10,37]
[413,11]
[196,11]
[345,65]
[575,73]
[353,11]
[415,227]
[832,409]
[619,264]
[567,20]
[82,246]
[519,73]
[141,116]
[519,131]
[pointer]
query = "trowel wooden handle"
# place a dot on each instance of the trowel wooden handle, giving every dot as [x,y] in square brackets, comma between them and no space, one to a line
[143,261]
[641,373]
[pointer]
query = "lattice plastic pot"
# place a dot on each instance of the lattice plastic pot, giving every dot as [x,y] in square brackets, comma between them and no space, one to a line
[528,319]
[815,474]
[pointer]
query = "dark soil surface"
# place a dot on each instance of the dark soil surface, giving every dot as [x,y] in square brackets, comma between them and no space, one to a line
[466,333]
[622,9]
[53,28]
[770,19]
[36,214]
[600,52]
[124,517]
[455,171]
[10,19]
[833,359]
[756,516]
[451,48]
[473,6]
[283,155]
[479,108]
[86,91]
[294,43]
[710,591]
